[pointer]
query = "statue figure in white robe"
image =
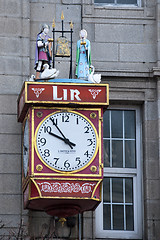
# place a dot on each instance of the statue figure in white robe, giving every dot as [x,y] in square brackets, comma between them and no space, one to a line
[83,56]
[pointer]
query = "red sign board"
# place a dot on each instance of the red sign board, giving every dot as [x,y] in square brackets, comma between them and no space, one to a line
[62,93]
[67,93]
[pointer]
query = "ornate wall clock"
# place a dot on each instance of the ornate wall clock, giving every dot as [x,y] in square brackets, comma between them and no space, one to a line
[62,146]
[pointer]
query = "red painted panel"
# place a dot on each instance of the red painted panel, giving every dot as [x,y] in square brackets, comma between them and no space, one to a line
[63,188]
[67,93]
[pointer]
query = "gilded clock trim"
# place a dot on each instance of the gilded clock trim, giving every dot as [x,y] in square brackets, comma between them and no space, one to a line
[72,171]
[99,174]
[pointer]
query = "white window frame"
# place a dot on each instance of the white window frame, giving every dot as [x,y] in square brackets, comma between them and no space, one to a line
[136,174]
[120,5]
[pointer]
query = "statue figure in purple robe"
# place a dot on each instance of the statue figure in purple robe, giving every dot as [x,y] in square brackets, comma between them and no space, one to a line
[83,56]
[43,50]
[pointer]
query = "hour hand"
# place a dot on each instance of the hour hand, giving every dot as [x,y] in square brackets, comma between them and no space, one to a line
[66,140]
[63,139]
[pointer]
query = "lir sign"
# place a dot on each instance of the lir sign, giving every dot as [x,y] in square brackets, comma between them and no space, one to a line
[67,94]
[62,93]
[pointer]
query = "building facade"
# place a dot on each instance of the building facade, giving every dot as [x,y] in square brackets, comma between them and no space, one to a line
[125,49]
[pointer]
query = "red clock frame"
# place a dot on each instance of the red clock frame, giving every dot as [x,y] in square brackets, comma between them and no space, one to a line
[47,189]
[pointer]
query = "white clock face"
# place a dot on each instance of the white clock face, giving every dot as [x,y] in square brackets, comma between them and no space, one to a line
[25,148]
[66,141]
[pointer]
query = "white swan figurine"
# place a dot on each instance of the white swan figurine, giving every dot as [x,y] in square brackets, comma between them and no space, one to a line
[31,79]
[49,73]
[95,78]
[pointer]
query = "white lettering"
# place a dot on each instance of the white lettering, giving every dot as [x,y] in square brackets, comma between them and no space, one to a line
[75,94]
[64,94]
[55,97]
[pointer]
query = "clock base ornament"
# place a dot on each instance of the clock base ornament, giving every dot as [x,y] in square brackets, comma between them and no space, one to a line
[62,198]
[63,210]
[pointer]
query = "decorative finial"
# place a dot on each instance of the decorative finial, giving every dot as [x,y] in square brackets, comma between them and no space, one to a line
[62,221]
[53,24]
[62,16]
[71,25]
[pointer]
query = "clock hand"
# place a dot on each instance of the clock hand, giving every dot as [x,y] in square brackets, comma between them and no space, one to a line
[63,139]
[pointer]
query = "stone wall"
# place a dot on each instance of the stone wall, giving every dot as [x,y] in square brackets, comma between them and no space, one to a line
[125,49]
[15,23]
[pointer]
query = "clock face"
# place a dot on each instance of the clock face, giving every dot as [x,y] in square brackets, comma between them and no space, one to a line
[25,147]
[66,141]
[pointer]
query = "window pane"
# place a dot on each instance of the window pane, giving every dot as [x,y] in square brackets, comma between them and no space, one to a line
[126,1]
[117,197]
[118,217]
[117,124]
[129,190]
[106,124]
[106,153]
[129,218]
[104,1]
[117,154]
[106,189]
[130,154]
[129,122]
[106,217]
[117,190]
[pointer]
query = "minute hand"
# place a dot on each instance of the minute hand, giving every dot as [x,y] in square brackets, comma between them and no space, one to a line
[63,139]
[66,140]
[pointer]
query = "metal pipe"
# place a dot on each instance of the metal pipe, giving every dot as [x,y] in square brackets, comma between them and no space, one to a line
[53,50]
[80,226]
[62,29]
[70,74]
[81,14]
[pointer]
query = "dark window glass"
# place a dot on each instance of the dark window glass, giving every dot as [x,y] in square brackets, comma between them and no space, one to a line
[117,190]
[106,153]
[106,190]
[106,129]
[130,154]
[117,153]
[106,217]
[118,217]
[117,124]
[126,1]
[129,124]
[129,190]
[129,218]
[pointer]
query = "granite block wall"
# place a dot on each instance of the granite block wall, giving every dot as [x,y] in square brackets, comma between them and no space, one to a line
[125,50]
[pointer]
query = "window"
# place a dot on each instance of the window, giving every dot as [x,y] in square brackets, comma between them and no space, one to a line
[119,2]
[120,213]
